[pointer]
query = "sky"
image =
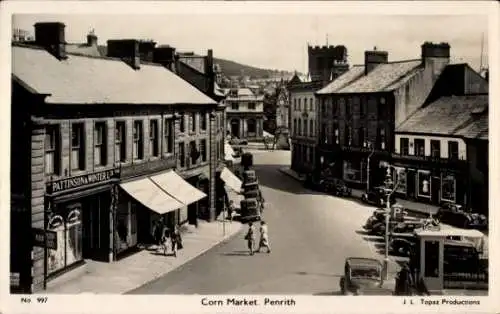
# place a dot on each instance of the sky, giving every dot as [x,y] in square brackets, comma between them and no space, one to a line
[280,41]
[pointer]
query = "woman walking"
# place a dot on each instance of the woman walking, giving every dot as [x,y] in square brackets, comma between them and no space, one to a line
[250,237]
[264,237]
[176,240]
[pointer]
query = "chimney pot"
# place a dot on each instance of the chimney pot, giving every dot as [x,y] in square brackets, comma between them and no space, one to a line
[50,35]
[125,49]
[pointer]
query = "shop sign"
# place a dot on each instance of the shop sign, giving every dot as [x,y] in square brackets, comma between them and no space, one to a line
[15,279]
[79,181]
[45,238]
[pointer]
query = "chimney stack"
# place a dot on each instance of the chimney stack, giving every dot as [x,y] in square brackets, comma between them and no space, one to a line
[146,50]
[50,35]
[374,58]
[209,71]
[127,50]
[91,39]
[435,57]
[165,55]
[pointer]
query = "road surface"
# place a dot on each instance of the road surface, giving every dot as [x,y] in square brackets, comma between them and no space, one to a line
[311,234]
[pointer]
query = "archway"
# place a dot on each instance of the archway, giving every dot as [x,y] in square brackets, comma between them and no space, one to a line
[235,128]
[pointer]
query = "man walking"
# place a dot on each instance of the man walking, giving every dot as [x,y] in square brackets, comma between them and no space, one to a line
[264,237]
[250,237]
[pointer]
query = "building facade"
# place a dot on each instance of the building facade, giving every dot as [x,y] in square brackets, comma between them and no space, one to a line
[92,173]
[244,114]
[359,112]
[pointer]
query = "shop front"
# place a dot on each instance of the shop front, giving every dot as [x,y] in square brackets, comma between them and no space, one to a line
[78,214]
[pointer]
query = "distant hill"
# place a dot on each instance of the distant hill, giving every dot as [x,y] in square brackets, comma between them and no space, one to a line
[231,68]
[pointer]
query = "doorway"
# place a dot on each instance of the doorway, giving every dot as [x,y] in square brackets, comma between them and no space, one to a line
[96,227]
[235,128]
[410,181]
[435,190]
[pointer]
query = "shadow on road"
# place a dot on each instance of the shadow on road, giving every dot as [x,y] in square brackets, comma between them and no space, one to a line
[305,273]
[328,293]
[236,253]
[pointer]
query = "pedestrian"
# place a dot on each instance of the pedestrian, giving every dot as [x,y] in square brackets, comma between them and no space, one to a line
[230,210]
[176,240]
[164,240]
[264,237]
[250,237]
[405,281]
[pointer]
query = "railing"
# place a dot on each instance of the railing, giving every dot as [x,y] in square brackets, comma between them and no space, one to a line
[432,159]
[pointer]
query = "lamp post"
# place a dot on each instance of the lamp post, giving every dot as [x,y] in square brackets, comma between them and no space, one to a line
[388,183]
[368,167]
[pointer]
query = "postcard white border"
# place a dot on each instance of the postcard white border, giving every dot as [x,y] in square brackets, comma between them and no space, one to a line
[192,304]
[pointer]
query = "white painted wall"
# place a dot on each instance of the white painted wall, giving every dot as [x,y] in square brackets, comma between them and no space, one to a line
[462,148]
[296,112]
[243,105]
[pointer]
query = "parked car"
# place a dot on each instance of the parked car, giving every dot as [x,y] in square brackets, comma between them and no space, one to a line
[336,187]
[363,276]
[454,215]
[237,141]
[378,197]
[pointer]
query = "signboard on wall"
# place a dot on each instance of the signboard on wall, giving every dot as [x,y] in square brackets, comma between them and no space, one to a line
[45,238]
[80,181]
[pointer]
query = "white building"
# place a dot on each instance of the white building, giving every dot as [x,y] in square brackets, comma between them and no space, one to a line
[244,114]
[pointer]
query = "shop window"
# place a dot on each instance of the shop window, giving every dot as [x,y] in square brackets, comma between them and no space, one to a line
[424,183]
[203,150]
[52,150]
[203,121]
[120,141]
[169,136]
[192,121]
[381,138]
[453,149]
[404,146]
[182,123]
[448,188]
[352,171]
[66,222]
[154,143]
[419,147]
[336,136]
[251,106]
[138,137]
[400,180]
[305,127]
[77,146]
[182,156]
[436,148]
[100,144]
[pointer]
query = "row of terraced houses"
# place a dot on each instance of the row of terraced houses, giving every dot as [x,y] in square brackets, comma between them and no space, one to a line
[425,119]
[103,144]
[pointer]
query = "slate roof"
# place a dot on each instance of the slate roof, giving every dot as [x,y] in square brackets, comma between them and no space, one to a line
[89,80]
[465,116]
[84,49]
[383,78]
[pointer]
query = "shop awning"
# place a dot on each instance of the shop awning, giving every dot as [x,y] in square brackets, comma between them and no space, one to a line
[146,192]
[230,179]
[176,186]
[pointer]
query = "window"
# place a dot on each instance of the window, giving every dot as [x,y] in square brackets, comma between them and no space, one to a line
[448,187]
[203,121]
[169,136]
[203,150]
[295,104]
[299,107]
[300,128]
[324,136]
[193,152]
[192,121]
[251,106]
[336,134]
[323,107]
[435,148]
[182,155]
[381,138]
[154,143]
[138,150]
[120,141]
[362,105]
[348,108]
[295,126]
[235,106]
[419,147]
[52,150]
[348,136]
[305,127]
[77,146]
[182,123]
[453,149]
[424,183]
[311,128]
[361,137]
[100,144]
[311,104]
[252,126]
[404,145]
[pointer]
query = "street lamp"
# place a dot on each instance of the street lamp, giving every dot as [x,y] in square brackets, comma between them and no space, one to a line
[368,167]
[388,182]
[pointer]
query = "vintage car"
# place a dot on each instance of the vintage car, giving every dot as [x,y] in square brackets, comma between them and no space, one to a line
[454,215]
[363,276]
[378,216]
[402,244]
[237,141]
[378,197]
[336,187]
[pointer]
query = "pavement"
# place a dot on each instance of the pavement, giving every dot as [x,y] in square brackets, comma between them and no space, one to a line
[311,235]
[135,270]
[416,207]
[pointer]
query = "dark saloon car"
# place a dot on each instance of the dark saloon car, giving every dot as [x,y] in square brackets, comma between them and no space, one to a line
[363,276]
[337,187]
[454,215]
[378,197]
